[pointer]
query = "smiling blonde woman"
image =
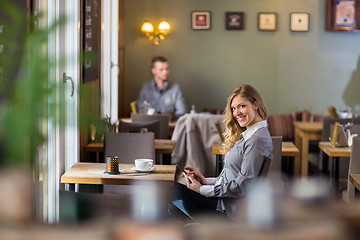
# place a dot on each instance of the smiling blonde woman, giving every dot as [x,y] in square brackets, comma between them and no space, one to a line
[247,144]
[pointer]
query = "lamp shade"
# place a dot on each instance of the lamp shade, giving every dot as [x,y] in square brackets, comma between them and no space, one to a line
[147,27]
[164,27]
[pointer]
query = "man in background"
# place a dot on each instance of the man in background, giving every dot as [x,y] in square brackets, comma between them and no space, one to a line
[160,95]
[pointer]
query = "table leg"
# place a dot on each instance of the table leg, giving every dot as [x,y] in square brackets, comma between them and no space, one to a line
[304,155]
[336,175]
[325,164]
[289,166]
[285,165]
[297,161]
[69,187]
[219,164]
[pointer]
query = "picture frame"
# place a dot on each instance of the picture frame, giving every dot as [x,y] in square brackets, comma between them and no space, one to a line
[234,20]
[267,21]
[201,20]
[299,21]
[343,15]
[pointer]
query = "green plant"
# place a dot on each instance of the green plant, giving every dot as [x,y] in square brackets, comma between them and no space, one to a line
[27,95]
[22,86]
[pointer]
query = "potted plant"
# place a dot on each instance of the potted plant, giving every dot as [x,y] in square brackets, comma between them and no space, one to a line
[27,100]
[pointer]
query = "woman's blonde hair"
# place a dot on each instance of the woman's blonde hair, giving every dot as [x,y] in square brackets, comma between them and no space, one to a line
[233,130]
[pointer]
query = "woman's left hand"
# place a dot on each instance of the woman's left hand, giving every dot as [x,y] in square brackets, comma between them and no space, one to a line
[192,183]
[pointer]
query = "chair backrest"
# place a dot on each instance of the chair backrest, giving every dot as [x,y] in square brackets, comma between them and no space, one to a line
[153,126]
[162,118]
[343,135]
[326,131]
[265,167]
[129,146]
[355,129]
[354,167]
[275,166]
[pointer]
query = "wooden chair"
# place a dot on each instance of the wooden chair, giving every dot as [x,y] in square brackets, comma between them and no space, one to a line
[354,167]
[325,136]
[355,129]
[128,147]
[152,126]
[162,118]
[276,153]
[265,167]
[275,167]
[326,131]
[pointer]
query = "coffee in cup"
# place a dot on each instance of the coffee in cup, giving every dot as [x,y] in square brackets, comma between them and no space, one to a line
[144,164]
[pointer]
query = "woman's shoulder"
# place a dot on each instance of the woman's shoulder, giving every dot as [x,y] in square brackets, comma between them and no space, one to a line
[260,140]
[262,134]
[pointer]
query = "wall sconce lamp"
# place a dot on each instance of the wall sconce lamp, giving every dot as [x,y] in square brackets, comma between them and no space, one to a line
[159,34]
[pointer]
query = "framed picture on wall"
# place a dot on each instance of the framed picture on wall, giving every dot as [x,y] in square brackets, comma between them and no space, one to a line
[267,21]
[234,20]
[343,15]
[200,20]
[299,22]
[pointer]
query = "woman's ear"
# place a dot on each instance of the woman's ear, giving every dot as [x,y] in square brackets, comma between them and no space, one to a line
[256,107]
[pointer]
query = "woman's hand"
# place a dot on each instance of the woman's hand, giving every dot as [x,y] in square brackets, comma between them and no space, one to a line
[192,183]
[196,175]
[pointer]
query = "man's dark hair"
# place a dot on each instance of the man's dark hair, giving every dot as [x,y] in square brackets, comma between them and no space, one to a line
[158,59]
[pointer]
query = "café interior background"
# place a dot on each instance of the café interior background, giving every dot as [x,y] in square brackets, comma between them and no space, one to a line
[294,71]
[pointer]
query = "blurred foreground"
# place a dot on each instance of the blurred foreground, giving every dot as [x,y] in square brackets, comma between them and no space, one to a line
[303,212]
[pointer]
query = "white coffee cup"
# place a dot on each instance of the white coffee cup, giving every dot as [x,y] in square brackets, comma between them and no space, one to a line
[144,164]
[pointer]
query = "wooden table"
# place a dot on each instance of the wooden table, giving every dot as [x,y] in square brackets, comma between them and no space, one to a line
[162,146]
[288,149]
[355,180]
[335,153]
[304,132]
[93,173]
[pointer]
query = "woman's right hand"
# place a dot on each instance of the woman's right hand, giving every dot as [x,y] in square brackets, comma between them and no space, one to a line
[196,174]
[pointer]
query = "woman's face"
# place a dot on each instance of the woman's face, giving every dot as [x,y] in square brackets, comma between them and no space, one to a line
[244,112]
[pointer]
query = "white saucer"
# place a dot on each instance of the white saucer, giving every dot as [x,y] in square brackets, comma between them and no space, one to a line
[138,170]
